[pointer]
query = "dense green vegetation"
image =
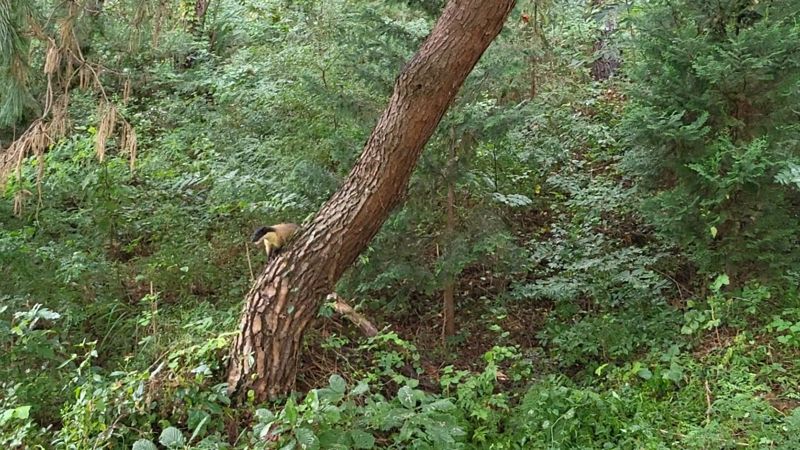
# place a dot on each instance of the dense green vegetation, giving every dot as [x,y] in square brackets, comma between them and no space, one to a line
[625,251]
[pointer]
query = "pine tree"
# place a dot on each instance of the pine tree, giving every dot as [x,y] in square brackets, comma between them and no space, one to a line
[714,121]
[14,68]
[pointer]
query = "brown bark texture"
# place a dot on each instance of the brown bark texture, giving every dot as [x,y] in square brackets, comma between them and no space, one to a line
[286,296]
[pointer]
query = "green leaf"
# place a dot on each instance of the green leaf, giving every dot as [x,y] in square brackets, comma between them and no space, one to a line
[713,231]
[722,280]
[406,396]
[441,434]
[675,373]
[290,446]
[264,415]
[362,439]
[442,404]
[290,411]
[45,313]
[644,373]
[337,384]
[306,438]
[361,388]
[172,437]
[333,439]
[396,416]
[22,412]
[144,444]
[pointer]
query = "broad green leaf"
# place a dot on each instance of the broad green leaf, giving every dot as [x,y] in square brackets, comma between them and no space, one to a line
[720,281]
[675,373]
[442,404]
[406,396]
[290,446]
[22,412]
[144,444]
[172,437]
[396,417]
[440,433]
[361,388]
[290,411]
[337,384]
[306,438]
[362,439]
[333,439]
[265,415]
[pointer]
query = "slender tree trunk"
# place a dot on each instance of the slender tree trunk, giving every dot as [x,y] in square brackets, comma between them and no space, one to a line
[199,20]
[196,26]
[607,59]
[286,296]
[448,293]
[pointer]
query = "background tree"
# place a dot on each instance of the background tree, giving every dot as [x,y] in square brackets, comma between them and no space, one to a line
[713,128]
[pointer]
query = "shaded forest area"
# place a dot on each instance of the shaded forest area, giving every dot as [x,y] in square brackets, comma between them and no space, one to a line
[597,248]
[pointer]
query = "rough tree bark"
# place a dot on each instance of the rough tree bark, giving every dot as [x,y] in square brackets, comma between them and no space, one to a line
[286,296]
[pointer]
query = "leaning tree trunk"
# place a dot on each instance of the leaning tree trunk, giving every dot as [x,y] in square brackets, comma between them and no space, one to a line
[286,296]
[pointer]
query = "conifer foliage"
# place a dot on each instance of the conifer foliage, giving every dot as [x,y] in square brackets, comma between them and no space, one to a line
[713,124]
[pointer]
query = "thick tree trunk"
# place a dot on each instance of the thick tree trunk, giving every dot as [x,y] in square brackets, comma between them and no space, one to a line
[286,296]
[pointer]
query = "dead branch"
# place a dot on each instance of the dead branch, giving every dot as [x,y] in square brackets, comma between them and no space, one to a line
[341,307]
